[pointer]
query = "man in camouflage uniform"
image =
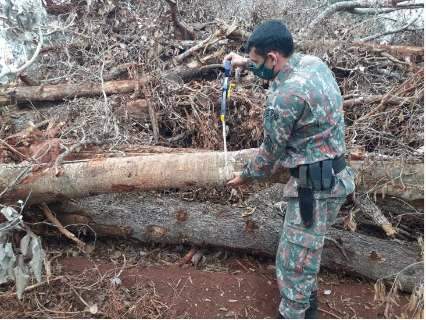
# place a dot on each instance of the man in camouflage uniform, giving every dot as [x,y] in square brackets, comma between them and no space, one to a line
[304,131]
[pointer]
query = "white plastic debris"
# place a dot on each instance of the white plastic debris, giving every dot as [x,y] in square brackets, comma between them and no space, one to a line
[116,281]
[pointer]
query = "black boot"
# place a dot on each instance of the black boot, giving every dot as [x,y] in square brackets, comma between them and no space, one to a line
[312,311]
[279,315]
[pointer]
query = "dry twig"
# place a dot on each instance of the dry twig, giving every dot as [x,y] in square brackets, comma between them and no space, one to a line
[48,213]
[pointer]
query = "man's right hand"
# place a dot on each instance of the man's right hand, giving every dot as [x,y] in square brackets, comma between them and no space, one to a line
[236,60]
[237,181]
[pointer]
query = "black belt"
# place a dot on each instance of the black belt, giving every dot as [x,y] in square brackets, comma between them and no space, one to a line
[338,165]
[317,176]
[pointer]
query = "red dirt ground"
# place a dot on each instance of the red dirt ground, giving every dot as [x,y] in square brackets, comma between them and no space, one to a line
[247,291]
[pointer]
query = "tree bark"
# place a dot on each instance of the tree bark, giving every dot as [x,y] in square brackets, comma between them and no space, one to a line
[371,210]
[167,219]
[163,171]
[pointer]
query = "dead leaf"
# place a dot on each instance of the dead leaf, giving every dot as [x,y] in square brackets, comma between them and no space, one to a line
[93,309]
[349,222]
[116,254]
[379,291]
[48,268]
[389,229]
[24,245]
[7,262]
[38,255]
[21,277]
[249,212]
[197,258]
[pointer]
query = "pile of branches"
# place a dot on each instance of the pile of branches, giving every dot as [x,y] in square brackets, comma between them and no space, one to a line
[179,65]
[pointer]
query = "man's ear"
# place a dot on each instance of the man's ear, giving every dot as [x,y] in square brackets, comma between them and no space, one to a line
[273,56]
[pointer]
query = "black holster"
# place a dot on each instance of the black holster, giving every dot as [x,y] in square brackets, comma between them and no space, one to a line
[306,205]
[318,176]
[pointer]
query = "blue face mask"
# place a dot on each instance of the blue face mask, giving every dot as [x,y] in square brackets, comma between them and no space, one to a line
[262,71]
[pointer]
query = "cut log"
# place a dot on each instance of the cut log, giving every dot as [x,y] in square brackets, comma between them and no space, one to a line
[392,100]
[61,91]
[167,219]
[395,49]
[97,176]
[163,171]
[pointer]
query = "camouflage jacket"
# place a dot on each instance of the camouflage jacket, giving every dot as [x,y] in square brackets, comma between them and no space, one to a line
[303,119]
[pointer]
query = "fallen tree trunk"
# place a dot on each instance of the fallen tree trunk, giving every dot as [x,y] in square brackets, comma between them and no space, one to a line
[394,100]
[395,49]
[61,91]
[58,92]
[163,171]
[98,176]
[256,228]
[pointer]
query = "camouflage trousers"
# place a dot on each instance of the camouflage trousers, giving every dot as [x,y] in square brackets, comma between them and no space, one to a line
[299,251]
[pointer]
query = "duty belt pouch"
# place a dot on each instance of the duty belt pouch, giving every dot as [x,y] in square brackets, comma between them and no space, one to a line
[306,196]
[315,175]
[327,176]
[318,176]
